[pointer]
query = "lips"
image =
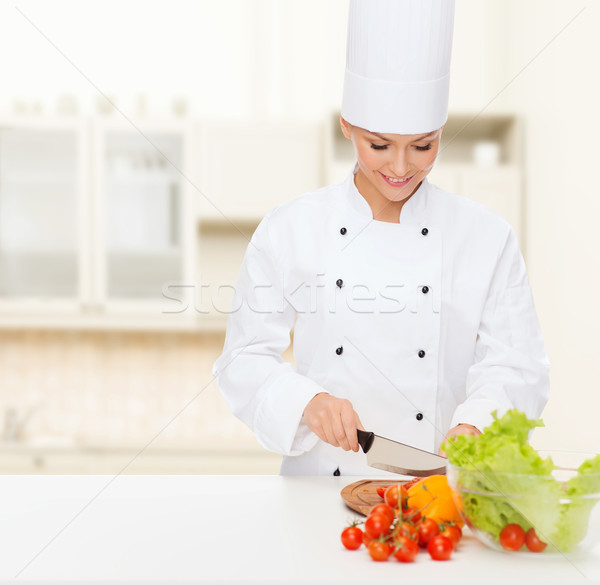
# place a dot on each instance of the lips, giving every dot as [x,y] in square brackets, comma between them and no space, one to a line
[396,183]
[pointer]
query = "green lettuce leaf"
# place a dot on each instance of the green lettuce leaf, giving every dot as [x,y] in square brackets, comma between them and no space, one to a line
[572,524]
[520,484]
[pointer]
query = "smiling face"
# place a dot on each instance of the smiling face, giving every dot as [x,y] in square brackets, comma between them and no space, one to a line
[390,166]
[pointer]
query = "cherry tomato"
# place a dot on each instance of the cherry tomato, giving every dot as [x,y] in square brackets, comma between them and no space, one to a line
[381,490]
[406,529]
[383,509]
[427,530]
[452,532]
[403,498]
[379,551]
[406,549]
[366,539]
[352,537]
[512,537]
[534,544]
[412,514]
[412,482]
[440,548]
[391,496]
[377,525]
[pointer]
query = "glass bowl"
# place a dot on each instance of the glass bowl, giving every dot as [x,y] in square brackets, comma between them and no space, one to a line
[566,519]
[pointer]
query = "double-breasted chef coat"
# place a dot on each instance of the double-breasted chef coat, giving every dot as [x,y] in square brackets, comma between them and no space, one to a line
[422,324]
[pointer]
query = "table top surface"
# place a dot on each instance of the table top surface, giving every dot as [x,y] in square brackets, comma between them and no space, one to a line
[222,529]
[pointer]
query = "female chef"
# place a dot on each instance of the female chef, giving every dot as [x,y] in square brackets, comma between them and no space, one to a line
[412,312]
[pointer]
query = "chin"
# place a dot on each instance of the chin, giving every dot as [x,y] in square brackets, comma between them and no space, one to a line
[397,199]
[398,196]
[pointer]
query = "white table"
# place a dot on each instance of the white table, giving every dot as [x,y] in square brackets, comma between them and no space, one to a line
[222,529]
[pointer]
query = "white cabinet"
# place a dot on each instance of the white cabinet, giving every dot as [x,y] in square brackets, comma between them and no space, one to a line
[118,223]
[96,218]
[247,169]
[144,218]
[43,210]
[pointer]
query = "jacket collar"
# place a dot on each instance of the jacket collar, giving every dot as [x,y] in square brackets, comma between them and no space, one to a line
[413,211]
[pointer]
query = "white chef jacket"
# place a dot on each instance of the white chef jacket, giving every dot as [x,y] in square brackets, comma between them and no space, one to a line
[422,324]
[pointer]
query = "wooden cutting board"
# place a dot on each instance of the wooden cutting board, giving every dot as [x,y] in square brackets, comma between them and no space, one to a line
[361,496]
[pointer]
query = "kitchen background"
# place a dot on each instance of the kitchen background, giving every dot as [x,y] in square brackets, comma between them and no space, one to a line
[141,143]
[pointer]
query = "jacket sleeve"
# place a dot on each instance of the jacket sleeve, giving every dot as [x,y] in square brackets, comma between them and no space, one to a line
[510,367]
[261,389]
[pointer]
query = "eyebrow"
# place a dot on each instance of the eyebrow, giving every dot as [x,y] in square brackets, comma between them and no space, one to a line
[415,140]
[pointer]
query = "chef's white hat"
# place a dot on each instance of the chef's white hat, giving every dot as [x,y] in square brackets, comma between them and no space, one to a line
[398,65]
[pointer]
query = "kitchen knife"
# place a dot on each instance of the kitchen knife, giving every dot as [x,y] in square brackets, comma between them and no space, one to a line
[397,457]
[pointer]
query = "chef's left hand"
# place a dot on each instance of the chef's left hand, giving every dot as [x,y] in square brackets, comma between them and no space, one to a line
[461,429]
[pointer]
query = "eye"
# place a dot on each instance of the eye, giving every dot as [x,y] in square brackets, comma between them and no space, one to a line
[427,147]
[379,146]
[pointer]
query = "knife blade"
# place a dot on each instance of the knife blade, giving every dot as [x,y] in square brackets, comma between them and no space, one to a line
[397,457]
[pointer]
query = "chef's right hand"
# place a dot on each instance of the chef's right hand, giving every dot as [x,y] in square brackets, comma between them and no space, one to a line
[333,420]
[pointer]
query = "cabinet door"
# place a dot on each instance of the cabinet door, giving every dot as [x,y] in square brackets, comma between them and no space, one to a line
[143,229]
[40,227]
[248,169]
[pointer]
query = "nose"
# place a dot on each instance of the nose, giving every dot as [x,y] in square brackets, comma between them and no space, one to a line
[400,165]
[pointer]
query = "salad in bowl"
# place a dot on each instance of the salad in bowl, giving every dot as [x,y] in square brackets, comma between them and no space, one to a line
[514,497]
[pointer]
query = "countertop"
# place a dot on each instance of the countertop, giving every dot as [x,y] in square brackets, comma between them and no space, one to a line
[222,529]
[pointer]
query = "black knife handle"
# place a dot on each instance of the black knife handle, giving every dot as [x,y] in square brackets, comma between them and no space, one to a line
[365,439]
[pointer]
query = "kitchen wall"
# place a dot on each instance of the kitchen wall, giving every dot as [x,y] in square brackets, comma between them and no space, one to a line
[557,95]
[109,390]
[281,60]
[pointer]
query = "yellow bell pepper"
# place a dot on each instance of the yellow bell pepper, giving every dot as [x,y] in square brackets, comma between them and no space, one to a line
[433,496]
